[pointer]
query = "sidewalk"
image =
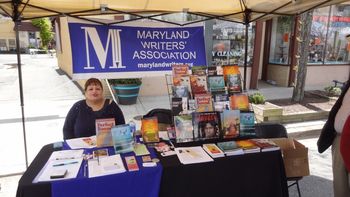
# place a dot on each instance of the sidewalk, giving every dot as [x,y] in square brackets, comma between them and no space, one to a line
[48,95]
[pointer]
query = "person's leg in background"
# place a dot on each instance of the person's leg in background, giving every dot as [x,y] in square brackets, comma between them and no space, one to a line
[341,177]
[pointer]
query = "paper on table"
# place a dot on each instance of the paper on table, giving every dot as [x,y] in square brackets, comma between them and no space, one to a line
[66,154]
[52,166]
[83,142]
[189,155]
[106,166]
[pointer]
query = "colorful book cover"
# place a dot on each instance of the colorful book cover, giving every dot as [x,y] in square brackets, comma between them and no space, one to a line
[229,70]
[212,70]
[204,102]
[179,106]
[230,123]
[205,125]
[123,140]
[103,132]
[248,146]
[247,124]
[221,102]
[149,129]
[199,70]
[180,91]
[213,150]
[234,83]
[179,70]
[183,81]
[216,84]
[131,163]
[230,148]
[265,144]
[239,101]
[183,128]
[198,84]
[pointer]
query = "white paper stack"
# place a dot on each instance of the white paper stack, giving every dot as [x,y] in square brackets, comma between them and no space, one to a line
[83,142]
[189,155]
[106,166]
[68,161]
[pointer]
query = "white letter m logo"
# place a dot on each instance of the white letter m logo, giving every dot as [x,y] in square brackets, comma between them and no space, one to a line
[101,52]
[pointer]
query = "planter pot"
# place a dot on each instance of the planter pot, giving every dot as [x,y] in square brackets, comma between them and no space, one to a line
[267,112]
[126,93]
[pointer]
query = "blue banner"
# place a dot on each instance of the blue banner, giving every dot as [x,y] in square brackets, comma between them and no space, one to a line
[110,51]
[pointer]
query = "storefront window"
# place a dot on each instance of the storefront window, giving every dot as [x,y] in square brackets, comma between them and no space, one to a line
[318,35]
[280,40]
[328,44]
[337,50]
[229,43]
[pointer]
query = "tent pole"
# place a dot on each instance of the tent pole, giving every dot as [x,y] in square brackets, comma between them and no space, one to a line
[245,57]
[19,66]
[247,13]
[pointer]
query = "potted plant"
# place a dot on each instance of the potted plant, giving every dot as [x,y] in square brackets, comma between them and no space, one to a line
[126,90]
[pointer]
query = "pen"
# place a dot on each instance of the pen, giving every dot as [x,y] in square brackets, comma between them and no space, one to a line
[63,164]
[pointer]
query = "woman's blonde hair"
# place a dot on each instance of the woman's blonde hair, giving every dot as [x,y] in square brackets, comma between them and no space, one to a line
[92,81]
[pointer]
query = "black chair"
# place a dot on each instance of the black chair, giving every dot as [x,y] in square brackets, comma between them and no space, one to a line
[165,117]
[276,130]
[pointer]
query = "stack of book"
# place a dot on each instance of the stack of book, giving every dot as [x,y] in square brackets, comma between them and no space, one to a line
[230,148]
[265,145]
[213,150]
[248,146]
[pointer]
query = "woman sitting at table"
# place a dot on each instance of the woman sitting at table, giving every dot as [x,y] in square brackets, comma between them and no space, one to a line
[80,121]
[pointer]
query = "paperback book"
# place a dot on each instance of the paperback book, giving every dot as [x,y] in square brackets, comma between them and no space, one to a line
[230,123]
[183,128]
[248,146]
[123,140]
[131,163]
[205,125]
[198,84]
[183,81]
[149,129]
[179,105]
[204,102]
[180,91]
[234,83]
[221,102]
[213,150]
[103,132]
[265,144]
[216,84]
[230,70]
[179,69]
[199,70]
[212,71]
[230,148]
[239,101]
[247,124]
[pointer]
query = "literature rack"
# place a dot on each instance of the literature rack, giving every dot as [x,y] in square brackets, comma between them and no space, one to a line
[208,104]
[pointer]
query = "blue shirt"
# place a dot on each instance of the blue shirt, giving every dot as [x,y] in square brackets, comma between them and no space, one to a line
[80,121]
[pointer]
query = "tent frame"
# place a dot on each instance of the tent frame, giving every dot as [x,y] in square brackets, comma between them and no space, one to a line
[17,17]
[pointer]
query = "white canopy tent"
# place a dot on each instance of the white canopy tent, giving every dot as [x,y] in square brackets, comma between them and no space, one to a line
[240,11]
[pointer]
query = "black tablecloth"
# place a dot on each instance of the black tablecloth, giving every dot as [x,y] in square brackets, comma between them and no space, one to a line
[257,174]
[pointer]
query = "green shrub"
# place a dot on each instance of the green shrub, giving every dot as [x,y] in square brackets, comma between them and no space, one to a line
[256,98]
[137,81]
[331,90]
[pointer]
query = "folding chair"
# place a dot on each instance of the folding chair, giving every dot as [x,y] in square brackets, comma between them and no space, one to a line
[276,130]
[165,117]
